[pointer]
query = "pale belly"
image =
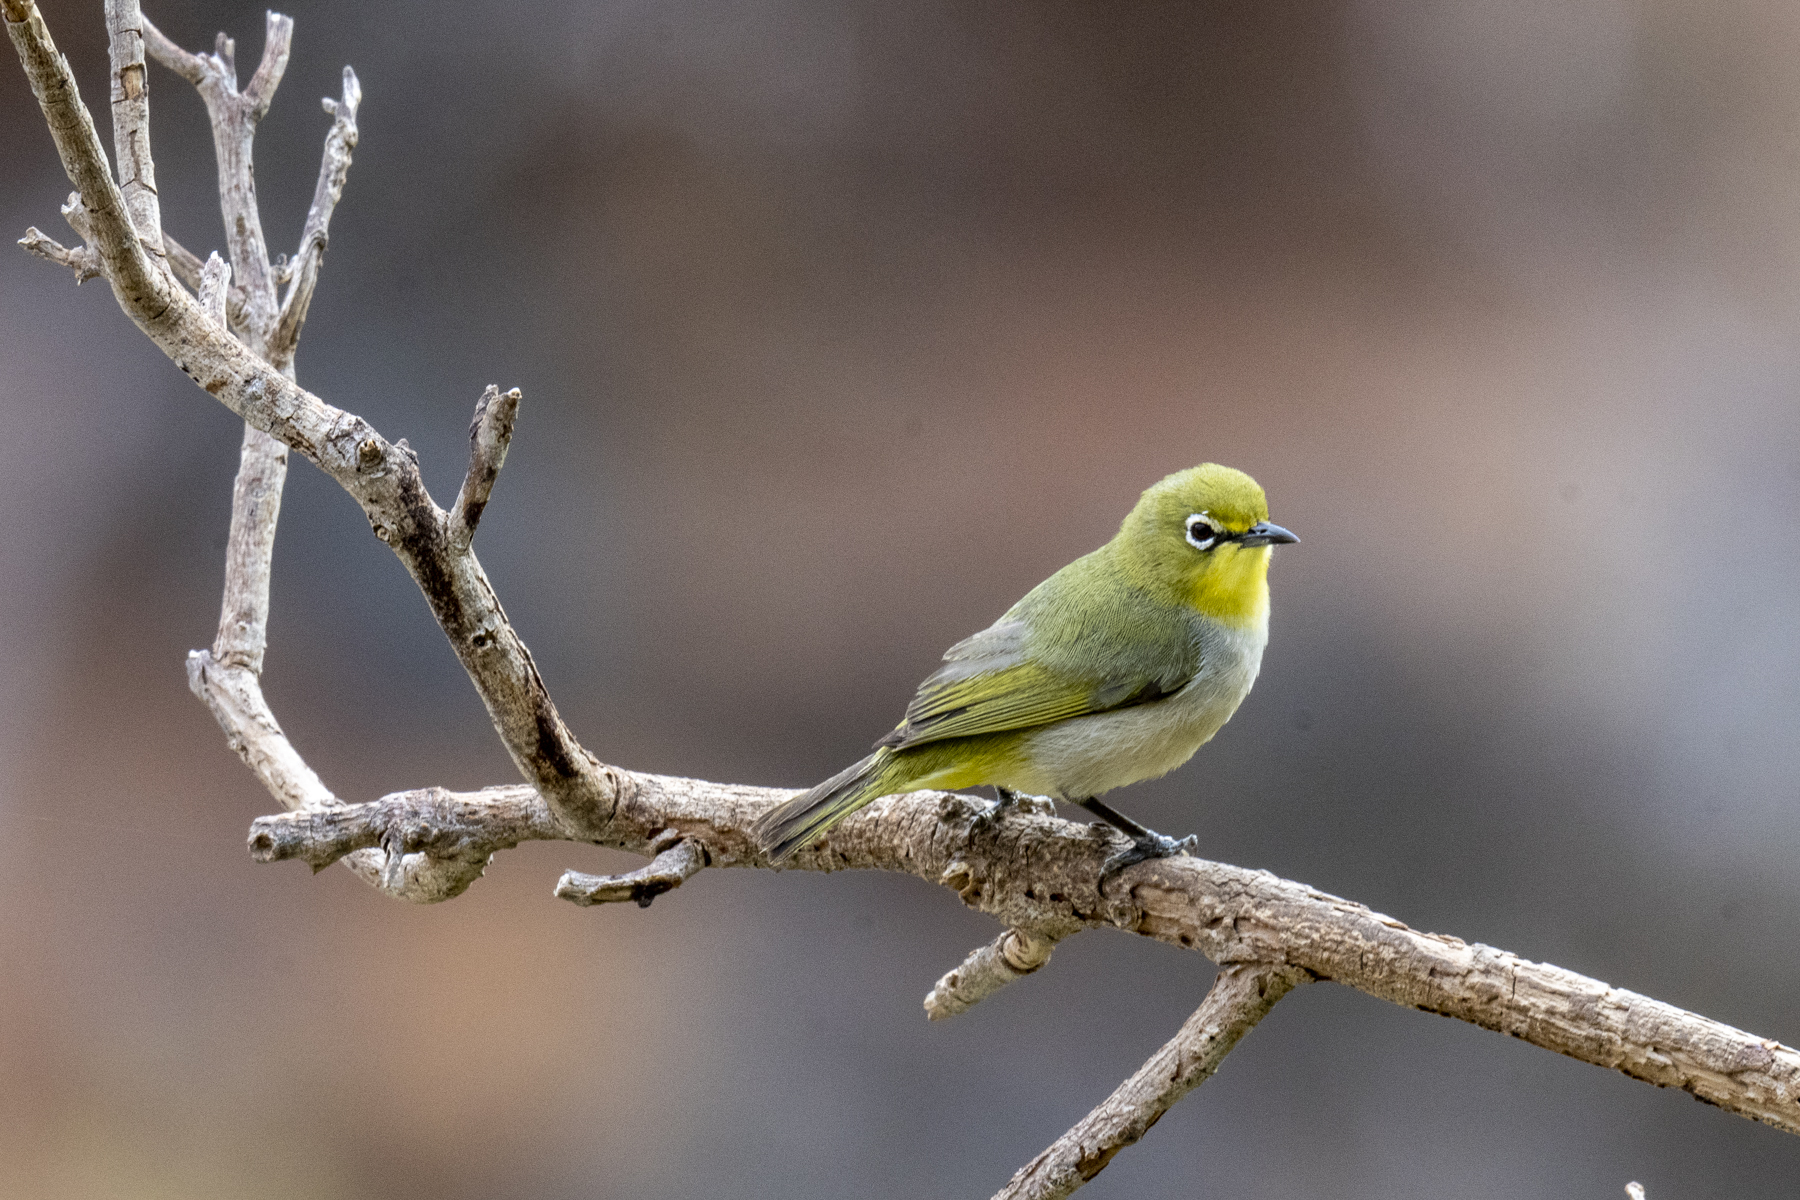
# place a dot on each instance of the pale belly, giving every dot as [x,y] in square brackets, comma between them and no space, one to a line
[1085,756]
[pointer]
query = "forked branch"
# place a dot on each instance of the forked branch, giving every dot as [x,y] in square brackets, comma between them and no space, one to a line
[83,260]
[333,172]
[382,476]
[234,117]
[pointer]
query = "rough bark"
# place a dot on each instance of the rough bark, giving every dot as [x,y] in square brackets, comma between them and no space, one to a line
[1038,874]
[1007,959]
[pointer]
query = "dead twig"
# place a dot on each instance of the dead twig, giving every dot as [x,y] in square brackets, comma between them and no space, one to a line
[489,435]
[1007,959]
[1240,996]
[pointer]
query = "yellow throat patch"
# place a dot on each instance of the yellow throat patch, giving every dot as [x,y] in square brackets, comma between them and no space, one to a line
[1233,586]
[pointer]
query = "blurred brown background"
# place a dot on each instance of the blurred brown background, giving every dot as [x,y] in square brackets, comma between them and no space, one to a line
[839,326]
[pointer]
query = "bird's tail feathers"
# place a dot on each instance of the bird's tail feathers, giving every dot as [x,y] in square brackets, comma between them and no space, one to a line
[808,816]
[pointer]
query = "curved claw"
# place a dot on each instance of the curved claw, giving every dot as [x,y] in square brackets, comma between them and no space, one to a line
[1006,800]
[1151,845]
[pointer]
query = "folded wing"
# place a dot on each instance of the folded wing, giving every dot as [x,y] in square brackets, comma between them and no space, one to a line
[989,683]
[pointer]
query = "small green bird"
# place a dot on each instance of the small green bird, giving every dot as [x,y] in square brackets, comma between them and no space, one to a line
[1115,669]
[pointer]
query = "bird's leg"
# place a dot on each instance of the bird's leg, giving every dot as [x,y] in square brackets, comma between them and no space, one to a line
[1145,843]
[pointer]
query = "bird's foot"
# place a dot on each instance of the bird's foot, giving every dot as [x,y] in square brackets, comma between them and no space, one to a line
[1005,798]
[1142,849]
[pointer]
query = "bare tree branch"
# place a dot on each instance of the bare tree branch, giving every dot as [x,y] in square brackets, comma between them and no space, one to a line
[234,116]
[490,433]
[228,677]
[83,260]
[187,266]
[333,172]
[256,507]
[225,51]
[432,843]
[677,860]
[215,284]
[1007,959]
[136,279]
[382,476]
[259,93]
[190,67]
[1038,874]
[1239,998]
[131,120]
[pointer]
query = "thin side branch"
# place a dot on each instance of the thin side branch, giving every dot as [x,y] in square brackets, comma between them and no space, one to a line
[83,260]
[228,677]
[187,267]
[490,433]
[233,694]
[225,52]
[215,283]
[278,36]
[1240,996]
[190,67]
[1007,959]
[333,172]
[137,280]
[255,509]
[673,866]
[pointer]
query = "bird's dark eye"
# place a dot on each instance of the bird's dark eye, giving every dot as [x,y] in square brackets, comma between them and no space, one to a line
[1201,534]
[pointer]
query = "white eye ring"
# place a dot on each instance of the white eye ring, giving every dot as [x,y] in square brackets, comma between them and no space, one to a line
[1202,534]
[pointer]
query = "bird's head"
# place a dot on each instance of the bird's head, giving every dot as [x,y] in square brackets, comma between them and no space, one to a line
[1201,538]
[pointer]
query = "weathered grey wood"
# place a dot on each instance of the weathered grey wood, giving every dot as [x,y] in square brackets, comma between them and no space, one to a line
[234,118]
[228,676]
[1240,996]
[1009,958]
[490,433]
[136,280]
[1037,874]
[83,260]
[187,266]
[382,476]
[334,170]
[677,861]
[131,120]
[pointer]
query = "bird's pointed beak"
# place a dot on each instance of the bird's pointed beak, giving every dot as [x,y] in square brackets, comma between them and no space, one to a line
[1266,533]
